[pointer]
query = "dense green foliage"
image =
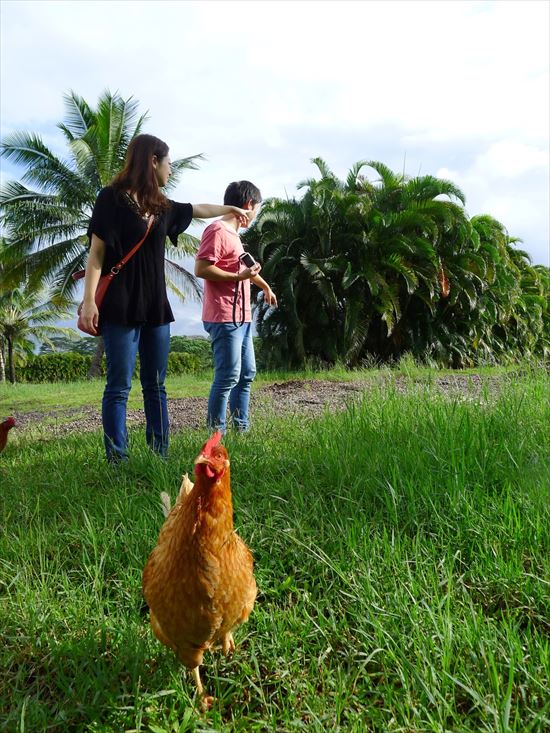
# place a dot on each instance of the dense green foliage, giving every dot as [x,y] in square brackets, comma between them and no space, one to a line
[77,343]
[67,358]
[400,590]
[187,356]
[27,314]
[368,271]
[184,363]
[72,367]
[197,347]
[62,367]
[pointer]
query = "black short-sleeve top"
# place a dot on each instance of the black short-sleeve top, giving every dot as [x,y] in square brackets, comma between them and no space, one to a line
[137,295]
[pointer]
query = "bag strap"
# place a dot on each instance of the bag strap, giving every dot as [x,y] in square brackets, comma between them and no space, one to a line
[243,304]
[118,267]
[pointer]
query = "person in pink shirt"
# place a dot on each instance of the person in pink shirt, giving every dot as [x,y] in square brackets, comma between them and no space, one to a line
[226,311]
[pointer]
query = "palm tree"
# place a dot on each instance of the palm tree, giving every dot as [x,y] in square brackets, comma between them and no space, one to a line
[496,308]
[346,260]
[401,268]
[26,316]
[380,268]
[45,227]
[3,291]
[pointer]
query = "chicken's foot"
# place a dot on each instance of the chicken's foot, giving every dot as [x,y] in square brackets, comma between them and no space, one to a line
[206,700]
[228,644]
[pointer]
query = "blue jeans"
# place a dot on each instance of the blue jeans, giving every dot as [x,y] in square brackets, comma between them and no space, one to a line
[121,346]
[234,372]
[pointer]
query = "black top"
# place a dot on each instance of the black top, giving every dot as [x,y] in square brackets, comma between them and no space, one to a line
[137,294]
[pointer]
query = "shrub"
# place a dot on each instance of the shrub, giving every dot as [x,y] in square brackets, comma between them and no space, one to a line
[70,367]
[65,367]
[197,347]
[181,363]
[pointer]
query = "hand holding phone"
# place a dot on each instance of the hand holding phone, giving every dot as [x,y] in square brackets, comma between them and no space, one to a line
[252,267]
[247,259]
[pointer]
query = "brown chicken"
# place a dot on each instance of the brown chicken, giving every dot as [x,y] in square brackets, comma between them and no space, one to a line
[5,427]
[198,581]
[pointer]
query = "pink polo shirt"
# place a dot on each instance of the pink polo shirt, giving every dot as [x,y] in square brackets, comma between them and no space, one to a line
[222,246]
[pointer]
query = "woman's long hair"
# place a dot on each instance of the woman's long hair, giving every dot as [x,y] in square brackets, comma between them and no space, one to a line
[138,175]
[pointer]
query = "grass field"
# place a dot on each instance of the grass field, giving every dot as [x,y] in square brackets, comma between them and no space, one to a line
[402,554]
[28,397]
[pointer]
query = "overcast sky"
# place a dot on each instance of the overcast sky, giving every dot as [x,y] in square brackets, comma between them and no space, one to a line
[454,89]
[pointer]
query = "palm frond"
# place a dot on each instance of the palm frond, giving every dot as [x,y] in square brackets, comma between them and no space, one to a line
[352,178]
[396,262]
[78,116]
[51,263]
[324,170]
[188,244]
[388,178]
[424,188]
[42,166]
[182,282]
[179,166]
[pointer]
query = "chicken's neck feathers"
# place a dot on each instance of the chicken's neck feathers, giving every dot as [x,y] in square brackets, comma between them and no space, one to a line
[202,519]
[215,495]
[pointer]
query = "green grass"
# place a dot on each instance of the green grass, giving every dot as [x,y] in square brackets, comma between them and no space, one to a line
[402,554]
[61,396]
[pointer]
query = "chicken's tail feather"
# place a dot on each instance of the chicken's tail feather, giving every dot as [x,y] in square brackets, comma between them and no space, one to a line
[186,485]
[165,503]
[185,489]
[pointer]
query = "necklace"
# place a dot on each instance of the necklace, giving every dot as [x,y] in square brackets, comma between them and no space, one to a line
[133,204]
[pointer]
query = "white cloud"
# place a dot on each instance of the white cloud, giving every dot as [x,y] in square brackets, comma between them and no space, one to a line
[510,159]
[510,181]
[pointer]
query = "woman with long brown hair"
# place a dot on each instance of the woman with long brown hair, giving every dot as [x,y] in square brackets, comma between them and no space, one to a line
[135,313]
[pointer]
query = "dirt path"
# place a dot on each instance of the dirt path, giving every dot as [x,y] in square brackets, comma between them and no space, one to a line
[306,397]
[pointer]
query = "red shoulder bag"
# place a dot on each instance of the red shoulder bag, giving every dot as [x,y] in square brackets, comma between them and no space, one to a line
[106,280]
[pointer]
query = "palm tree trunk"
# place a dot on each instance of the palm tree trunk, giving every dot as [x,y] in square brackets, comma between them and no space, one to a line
[2,362]
[95,366]
[11,363]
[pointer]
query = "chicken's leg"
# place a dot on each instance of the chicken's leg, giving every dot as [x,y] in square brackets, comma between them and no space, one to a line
[206,700]
[228,644]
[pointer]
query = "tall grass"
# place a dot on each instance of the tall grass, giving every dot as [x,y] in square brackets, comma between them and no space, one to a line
[402,555]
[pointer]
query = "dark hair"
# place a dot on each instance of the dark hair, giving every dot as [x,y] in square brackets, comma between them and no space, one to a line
[239,192]
[138,175]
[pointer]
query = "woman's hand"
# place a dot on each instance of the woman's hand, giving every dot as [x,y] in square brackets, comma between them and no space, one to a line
[243,216]
[207,211]
[89,316]
[88,312]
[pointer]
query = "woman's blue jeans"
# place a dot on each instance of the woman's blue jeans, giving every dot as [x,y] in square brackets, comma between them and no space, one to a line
[121,346]
[234,372]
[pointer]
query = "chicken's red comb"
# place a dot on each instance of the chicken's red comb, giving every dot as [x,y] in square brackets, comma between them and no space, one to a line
[9,422]
[211,443]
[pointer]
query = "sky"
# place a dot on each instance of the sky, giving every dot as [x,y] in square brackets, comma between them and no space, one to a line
[459,90]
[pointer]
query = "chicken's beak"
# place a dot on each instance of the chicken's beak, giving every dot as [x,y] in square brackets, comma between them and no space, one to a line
[202,459]
[212,469]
